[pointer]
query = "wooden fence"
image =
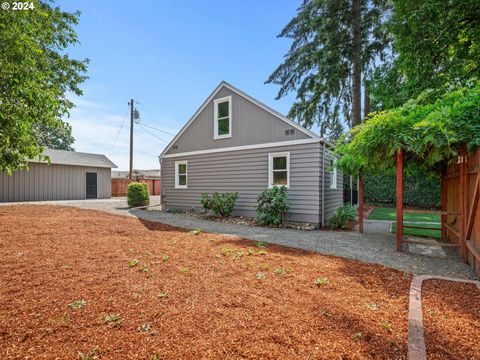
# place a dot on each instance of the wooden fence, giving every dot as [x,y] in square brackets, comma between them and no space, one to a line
[461,206]
[120,186]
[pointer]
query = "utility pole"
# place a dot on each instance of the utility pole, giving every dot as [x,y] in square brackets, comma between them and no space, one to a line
[130,174]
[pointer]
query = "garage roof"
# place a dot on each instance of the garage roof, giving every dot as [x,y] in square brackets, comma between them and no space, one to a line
[63,157]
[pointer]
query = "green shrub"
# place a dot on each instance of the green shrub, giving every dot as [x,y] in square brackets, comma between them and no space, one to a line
[138,194]
[272,205]
[343,216]
[220,204]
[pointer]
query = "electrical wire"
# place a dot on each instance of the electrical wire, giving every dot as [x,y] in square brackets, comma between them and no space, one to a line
[153,127]
[149,132]
[118,133]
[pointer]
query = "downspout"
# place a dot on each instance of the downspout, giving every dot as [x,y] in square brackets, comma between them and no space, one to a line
[323,184]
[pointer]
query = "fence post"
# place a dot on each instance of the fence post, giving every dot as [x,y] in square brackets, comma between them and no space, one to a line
[360,204]
[444,205]
[462,203]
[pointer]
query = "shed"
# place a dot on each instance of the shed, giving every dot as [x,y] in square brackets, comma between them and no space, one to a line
[69,176]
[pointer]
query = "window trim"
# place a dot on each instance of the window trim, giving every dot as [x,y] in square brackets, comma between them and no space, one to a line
[333,175]
[271,156]
[177,184]
[215,118]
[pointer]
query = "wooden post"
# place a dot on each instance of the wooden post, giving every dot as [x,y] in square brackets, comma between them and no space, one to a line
[130,172]
[399,200]
[462,203]
[360,204]
[444,204]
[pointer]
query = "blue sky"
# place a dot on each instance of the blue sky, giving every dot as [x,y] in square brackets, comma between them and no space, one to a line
[169,56]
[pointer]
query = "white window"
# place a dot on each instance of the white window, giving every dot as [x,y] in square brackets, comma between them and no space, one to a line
[180,174]
[279,169]
[222,122]
[333,174]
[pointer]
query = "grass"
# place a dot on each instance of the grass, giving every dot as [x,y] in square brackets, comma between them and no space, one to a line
[384,213]
[435,233]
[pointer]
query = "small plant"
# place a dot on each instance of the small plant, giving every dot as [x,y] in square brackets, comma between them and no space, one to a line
[92,355]
[66,267]
[155,356]
[144,328]
[196,231]
[237,255]
[78,304]
[260,244]
[260,276]
[163,294]
[138,194]
[133,263]
[184,269]
[165,258]
[219,204]
[342,217]
[262,252]
[321,281]
[326,314]
[114,319]
[143,268]
[225,250]
[281,271]
[387,325]
[272,205]
[62,320]
[357,335]
[250,252]
[373,306]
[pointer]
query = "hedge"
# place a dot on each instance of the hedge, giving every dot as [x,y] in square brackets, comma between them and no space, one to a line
[418,191]
[138,194]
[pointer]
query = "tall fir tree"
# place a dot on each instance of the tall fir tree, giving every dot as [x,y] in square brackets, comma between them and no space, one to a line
[335,44]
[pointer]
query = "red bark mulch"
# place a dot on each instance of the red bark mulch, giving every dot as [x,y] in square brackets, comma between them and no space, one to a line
[189,296]
[451,320]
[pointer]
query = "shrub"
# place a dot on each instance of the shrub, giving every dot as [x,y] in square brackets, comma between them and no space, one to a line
[220,204]
[272,205]
[138,194]
[343,216]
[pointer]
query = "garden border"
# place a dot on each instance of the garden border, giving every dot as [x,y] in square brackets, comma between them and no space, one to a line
[416,341]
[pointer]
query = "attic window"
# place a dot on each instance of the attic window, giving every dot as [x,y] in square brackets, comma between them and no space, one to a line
[289,131]
[222,122]
[175,147]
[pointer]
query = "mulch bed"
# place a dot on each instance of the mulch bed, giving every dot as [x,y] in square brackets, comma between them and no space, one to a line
[187,296]
[451,319]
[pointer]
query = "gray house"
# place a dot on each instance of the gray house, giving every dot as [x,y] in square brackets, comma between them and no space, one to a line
[70,176]
[234,143]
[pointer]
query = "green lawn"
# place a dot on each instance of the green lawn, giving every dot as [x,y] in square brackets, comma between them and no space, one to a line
[435,233]
[383,213]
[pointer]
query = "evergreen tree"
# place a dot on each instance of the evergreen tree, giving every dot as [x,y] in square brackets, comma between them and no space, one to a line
[335,42]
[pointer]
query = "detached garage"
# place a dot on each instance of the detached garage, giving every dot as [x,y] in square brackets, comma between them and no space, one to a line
[70,176]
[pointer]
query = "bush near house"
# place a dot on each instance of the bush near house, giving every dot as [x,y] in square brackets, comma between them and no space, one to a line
[272,205]
[220,204]
[138,194]
[342,217]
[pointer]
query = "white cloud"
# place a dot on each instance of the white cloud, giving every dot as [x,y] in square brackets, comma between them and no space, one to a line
[95,127]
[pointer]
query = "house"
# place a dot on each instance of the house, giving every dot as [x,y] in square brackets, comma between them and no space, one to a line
[69,176]
[234,143]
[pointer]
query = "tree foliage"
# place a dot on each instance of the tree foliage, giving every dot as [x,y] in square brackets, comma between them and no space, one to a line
[35,76]
[429,133]
[436,42]
[318,67]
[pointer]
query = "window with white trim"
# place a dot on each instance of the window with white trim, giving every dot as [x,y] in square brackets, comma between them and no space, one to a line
[279,169]
[333,174]
[180,174]
[222,122]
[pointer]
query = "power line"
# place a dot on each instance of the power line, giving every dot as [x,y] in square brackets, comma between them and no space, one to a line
[118,133]
[152,127]
[148,131]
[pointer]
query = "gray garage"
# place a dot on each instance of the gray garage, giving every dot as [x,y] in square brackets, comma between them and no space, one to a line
[70,176]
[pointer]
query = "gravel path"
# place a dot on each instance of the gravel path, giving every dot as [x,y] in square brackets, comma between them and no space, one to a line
[376,245]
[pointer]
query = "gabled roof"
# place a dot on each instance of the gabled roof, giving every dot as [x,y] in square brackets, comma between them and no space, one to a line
[224,84]
[63,157]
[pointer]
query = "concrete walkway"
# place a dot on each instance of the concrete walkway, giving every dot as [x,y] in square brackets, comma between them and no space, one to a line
[376,245]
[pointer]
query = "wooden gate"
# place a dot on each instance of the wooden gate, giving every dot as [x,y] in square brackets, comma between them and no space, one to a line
[460,206]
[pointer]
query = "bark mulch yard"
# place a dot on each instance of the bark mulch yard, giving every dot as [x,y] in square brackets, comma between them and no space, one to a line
[80,282]
[451,320]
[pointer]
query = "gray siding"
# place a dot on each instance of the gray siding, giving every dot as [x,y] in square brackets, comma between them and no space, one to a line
[333,197]
[250,125]
[55,182]
[246,172]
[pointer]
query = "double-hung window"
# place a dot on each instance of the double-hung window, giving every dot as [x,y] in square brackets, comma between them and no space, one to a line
[333,174]
[180,174]
[222,123]
[279,169]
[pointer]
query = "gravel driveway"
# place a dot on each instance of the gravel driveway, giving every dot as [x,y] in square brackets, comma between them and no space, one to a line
[376,245]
